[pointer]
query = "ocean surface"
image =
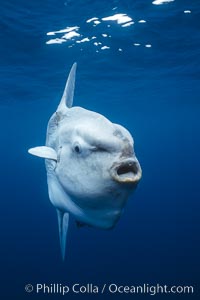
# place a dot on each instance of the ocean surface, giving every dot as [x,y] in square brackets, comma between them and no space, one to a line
[139,65]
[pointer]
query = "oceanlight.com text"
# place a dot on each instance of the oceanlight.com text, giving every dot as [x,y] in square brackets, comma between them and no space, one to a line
[111,288]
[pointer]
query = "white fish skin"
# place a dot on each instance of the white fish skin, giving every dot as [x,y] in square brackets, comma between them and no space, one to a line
[91,165]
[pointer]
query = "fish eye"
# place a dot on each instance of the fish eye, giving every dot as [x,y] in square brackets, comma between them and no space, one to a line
[77,148]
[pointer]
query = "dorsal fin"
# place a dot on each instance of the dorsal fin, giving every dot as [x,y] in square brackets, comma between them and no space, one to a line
[68,94]
[63,223]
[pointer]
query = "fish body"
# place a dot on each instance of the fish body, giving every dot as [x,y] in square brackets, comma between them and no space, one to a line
[91,165]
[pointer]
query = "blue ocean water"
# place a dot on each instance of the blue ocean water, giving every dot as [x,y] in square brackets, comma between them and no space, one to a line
[140,68]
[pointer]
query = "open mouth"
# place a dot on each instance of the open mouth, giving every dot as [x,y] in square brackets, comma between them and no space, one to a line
[127,171]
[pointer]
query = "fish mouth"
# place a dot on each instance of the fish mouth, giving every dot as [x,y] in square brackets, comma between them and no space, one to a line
[126,171]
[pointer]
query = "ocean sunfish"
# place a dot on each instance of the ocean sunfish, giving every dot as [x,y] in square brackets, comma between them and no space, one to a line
[91,165]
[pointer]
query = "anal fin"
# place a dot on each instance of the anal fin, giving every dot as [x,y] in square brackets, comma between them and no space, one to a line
[63,224]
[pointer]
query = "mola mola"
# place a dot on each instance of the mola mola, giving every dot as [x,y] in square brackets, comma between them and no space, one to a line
[91,165]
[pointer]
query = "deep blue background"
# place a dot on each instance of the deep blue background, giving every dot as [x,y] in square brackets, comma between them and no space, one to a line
[154,92]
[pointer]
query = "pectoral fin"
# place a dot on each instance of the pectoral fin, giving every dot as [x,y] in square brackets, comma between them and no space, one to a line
[63,223]
[44,152]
